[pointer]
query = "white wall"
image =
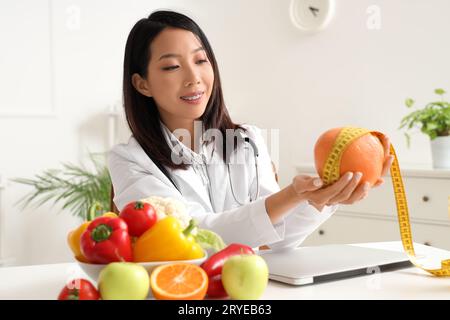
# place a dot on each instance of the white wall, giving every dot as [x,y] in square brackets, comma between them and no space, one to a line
[273,76]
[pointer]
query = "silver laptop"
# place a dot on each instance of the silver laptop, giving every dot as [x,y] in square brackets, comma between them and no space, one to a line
[308,265]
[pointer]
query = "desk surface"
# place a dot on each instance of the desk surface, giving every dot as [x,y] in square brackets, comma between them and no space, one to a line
[45,282]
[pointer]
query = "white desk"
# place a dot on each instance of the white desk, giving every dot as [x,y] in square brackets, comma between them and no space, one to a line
[45,282]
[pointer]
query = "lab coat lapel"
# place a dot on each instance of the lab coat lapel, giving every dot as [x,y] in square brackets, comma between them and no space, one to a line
[191,183]
[145,162]
[188,180]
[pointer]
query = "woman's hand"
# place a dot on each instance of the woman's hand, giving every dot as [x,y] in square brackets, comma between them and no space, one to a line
[344,191]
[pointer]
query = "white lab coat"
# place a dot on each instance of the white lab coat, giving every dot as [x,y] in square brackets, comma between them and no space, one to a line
[135,176]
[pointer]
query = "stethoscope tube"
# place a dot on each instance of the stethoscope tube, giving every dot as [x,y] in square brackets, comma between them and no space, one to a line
[255,155]
[208,180]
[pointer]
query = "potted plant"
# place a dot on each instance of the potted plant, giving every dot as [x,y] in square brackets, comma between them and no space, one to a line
[86,193]
[434,121]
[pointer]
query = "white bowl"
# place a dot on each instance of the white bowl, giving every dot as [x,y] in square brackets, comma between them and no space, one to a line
[93,270]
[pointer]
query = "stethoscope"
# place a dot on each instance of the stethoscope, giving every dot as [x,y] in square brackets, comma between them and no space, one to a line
[200,166]
[255,156]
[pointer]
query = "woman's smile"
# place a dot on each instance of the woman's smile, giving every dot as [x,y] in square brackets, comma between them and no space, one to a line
[193,97]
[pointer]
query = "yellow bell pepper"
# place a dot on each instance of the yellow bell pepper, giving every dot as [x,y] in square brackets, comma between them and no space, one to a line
[167,241]
[74,236]
[110,214]
[73,239]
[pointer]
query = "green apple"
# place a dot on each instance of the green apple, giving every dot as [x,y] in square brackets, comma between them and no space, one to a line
[245,277]
[124,281]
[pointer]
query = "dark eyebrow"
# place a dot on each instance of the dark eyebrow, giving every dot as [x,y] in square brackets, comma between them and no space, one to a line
[173,55]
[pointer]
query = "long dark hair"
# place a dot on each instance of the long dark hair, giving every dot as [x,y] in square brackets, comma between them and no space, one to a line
[141,111]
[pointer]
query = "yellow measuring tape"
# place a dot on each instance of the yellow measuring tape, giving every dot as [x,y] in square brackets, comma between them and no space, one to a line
[331,173]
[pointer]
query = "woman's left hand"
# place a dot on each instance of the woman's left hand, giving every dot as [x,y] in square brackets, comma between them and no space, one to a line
[356,193]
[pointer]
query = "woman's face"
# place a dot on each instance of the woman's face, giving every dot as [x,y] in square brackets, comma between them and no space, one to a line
[179,76]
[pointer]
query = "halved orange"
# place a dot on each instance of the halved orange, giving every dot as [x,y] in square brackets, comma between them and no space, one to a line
[179,281]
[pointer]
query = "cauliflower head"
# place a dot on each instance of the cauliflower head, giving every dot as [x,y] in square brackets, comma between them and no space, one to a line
[169,207]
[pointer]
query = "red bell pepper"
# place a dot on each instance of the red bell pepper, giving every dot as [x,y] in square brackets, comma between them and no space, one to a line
[107,240]
[213,267]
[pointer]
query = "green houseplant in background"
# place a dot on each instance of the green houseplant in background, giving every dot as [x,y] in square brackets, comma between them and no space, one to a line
[434,121]
[85,192]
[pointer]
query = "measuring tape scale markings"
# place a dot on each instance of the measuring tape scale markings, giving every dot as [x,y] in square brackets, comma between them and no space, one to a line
[331,174]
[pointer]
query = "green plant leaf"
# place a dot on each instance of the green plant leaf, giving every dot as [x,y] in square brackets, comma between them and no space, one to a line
[439,91]
[409,102]
[75,187]
[432,120]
